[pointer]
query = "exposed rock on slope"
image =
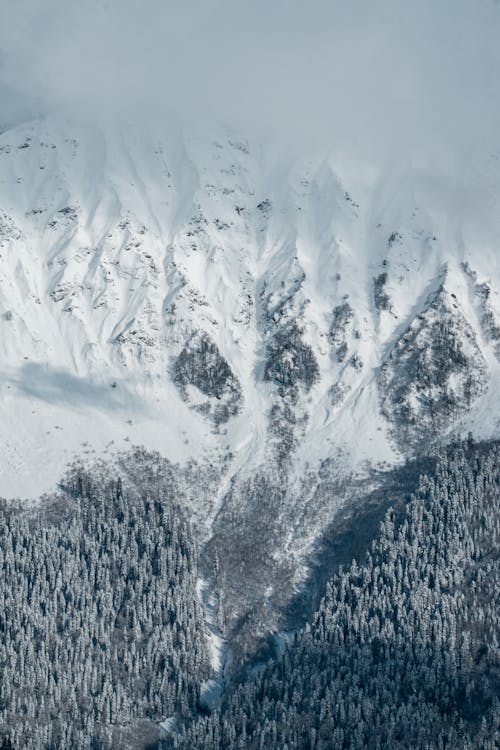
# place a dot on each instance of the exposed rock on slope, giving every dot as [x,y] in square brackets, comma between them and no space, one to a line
[201,365]
[489,318]
[341,323]
[290,362]
[434,373]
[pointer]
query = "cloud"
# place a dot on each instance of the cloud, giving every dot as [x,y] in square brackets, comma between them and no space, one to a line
[369,77]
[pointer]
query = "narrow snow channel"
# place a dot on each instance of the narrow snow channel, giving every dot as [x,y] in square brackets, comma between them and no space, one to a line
[211,690]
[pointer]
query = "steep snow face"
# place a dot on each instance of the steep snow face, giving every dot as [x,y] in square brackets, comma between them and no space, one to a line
[216,296]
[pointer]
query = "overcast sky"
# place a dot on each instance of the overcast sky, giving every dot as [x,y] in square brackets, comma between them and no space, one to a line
[373,77]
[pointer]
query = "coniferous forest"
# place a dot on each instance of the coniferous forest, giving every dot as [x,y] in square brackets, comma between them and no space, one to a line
[403,651]
[100,625]
[102,634]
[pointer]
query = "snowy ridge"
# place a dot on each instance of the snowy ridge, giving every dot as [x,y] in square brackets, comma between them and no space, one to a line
[116,249]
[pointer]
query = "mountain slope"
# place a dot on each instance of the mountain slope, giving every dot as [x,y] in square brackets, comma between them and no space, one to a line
[116,248]
[281,331]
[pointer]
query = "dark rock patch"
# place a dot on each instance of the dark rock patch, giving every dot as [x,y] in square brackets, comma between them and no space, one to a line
[290,362]
[433,375]
[343,315]
[380,296]
[201,365]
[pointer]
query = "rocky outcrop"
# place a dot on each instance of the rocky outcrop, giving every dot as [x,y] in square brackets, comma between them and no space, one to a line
[380,297]
[201,366]
[290,362]
[343,315]
[292,366]
[433,375]
[487,312]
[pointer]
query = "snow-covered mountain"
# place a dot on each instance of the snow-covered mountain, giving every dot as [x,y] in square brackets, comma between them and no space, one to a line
[211,296]
[279,327]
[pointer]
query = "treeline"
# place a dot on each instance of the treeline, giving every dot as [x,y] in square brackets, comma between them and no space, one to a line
[100,625]
[403,651]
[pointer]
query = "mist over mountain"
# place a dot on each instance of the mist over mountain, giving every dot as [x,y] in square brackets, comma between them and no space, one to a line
[376,83]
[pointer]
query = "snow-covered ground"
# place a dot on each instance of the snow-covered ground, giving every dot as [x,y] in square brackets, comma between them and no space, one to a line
[217,647]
